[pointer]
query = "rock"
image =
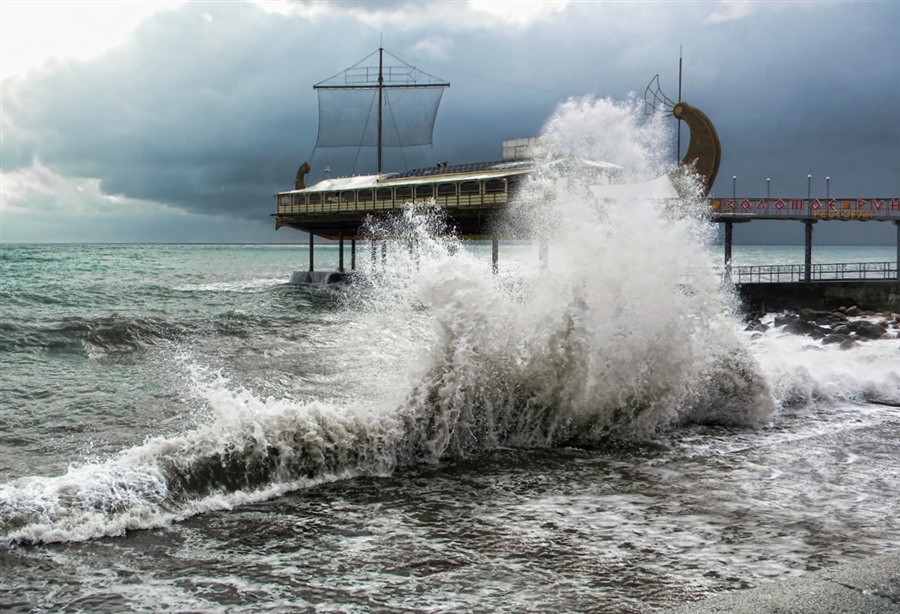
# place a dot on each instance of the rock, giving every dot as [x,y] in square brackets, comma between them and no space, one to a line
[851,311]
[783,319]
[829,320]
[756,326]
[870,330]
[846,345]
[802,327]
[808,314]
[843,329]
[836,338]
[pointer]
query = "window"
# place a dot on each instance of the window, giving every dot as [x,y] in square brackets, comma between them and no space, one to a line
[404,191]
[384,194]
[425,191]
[447,189]
[469,187]
[365,195]
[495,186]
[315,198]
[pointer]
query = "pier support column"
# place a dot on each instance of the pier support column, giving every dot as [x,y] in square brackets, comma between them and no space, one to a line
[341,252]
[729,235]
[807,260]
[897,224]
[352,254]
[312,258]
[543,250]
[495,254]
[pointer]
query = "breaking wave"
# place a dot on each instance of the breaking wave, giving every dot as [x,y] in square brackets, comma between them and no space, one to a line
[625,333]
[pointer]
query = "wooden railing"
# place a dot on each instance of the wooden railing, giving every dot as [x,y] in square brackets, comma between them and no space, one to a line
[296,203]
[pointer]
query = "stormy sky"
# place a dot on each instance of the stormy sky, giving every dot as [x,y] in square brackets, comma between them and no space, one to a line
[178,121]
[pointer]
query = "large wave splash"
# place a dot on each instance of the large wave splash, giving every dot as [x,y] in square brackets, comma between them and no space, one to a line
[625,333]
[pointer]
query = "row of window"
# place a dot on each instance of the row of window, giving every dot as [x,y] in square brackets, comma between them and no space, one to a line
[407,192]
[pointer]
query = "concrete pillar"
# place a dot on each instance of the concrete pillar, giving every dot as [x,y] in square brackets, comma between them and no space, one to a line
[897,224]
[729,234]
[807,273]
[495,254]
[341,252]
[352,254]
[312,259]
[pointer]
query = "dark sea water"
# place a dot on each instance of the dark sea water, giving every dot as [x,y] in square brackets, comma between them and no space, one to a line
[182,430]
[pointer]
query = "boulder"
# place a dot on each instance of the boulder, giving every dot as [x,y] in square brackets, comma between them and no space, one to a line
[802,327]
[870,330]
[835,338]
[783,319]
[756,326]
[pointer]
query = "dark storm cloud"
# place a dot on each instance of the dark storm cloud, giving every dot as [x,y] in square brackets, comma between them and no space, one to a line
[212,114]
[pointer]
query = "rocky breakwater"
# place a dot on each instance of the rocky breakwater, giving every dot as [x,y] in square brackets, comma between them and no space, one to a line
[846,326]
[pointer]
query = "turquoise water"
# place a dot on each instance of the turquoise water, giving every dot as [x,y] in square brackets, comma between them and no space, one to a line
[745,255]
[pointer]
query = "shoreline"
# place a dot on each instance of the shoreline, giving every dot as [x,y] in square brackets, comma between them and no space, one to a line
[869,586]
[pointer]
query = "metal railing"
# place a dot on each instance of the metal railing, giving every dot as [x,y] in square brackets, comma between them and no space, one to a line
[773,273]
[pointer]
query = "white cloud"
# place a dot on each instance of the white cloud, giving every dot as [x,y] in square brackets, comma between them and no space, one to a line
[38,205]
[34,33]
[730,10]
[408,15]
[39,190]
[518,13]
[434,48]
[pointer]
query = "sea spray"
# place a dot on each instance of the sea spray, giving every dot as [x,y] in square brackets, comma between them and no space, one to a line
[625,333]
[804,373]
[628,331]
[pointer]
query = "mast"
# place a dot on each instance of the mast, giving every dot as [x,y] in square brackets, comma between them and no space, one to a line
[380,102]
[346,108]
[678,153]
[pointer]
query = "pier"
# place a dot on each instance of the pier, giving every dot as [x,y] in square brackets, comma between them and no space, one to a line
[809,211]
[474,197]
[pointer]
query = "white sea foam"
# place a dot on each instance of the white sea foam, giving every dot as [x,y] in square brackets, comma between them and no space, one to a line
[242,286]
[627,332]
[803,372]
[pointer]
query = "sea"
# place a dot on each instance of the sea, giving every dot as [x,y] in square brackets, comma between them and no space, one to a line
[183,430]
